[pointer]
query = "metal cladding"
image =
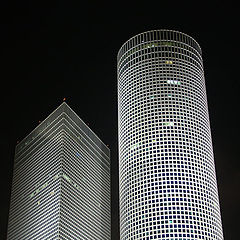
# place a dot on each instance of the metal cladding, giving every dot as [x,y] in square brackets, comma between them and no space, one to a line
[61,182]
[168,188]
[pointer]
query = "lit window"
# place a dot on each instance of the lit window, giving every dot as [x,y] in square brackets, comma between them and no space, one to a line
[66,177]
[32,195]
[175,82]
[169,62]
[135,146]
[56,177]
[168,124]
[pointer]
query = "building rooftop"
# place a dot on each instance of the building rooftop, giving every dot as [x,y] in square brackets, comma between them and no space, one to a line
[61,110]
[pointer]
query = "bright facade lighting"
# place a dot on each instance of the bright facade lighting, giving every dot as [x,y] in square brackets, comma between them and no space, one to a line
[168,187]
[61,182]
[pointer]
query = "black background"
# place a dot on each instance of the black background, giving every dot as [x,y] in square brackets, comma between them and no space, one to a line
[68,49]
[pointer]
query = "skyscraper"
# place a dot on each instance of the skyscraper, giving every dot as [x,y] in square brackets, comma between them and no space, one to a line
[61,182]
[168,187]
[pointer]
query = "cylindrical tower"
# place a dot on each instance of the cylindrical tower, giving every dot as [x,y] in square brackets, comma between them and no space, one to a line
[168,187]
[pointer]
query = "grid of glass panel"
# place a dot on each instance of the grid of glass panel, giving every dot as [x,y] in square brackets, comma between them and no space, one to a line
[61,182]
[168,186]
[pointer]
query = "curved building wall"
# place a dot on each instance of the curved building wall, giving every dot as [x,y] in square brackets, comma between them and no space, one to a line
[168,187]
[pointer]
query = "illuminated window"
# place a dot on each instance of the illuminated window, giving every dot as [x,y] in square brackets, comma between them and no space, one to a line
[66,177]
[135,146]
[168,124]
[169,62]
[32,195]
[173,82]
[56,177]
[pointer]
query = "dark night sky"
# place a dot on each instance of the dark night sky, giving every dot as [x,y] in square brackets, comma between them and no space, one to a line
[68,49]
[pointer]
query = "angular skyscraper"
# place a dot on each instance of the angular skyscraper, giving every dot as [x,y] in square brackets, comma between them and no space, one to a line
[61,182]
[168,187]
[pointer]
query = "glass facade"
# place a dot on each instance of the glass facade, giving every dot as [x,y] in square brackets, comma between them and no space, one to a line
[168,187]
[61,182]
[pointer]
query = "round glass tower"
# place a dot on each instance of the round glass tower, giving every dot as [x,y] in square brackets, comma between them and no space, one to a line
[168,187]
